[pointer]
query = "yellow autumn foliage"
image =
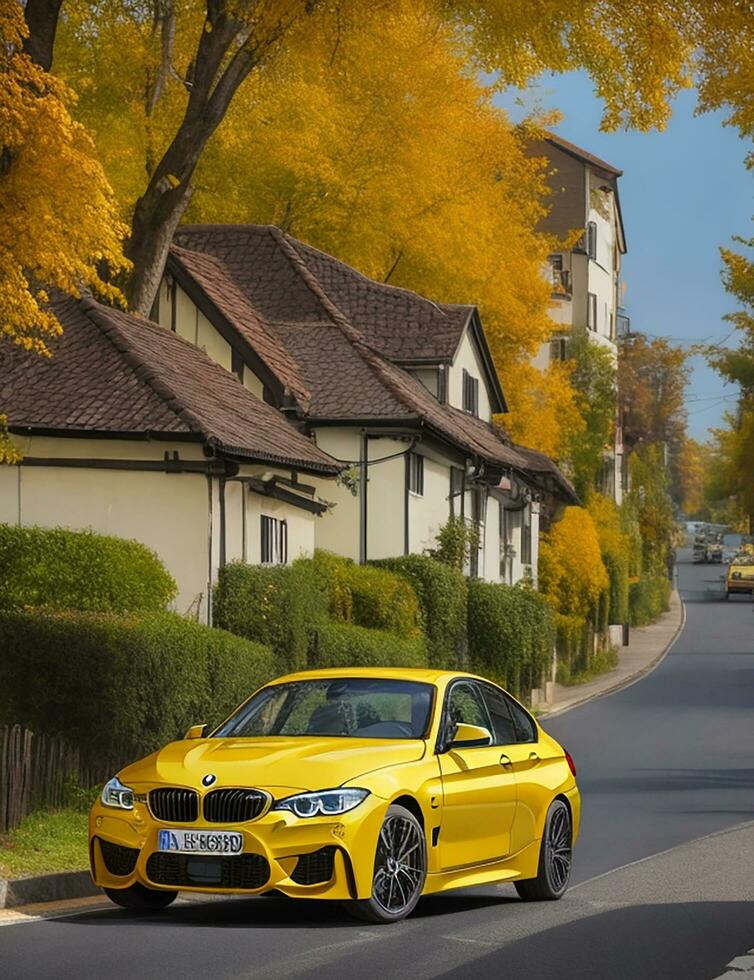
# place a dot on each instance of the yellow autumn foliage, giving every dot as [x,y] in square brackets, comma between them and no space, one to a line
[544,408]
[58,216]
[571,572]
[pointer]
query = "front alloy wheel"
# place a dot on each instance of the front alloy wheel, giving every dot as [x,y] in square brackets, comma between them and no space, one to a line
[555,856]
[400,869]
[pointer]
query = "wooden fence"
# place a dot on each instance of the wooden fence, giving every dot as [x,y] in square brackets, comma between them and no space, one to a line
[38,771]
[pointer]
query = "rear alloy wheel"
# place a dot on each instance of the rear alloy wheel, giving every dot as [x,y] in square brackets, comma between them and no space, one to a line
[555,855]
[400,869]
[137,898]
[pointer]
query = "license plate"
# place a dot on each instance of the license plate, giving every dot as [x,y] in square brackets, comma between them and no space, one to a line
[201,841]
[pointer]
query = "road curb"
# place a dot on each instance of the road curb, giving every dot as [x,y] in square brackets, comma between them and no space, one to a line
[46,888]
[626,681]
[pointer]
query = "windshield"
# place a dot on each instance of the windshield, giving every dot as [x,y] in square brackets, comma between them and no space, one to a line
[743,560]
[346,707]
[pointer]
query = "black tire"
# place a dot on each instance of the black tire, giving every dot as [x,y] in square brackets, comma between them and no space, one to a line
[555,855]
[396,885]
[137,898]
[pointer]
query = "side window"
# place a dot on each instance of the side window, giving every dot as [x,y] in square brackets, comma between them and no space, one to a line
[466,707]
[503,728]
[525,727]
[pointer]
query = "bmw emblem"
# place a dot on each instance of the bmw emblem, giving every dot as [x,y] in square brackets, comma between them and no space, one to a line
[208,779]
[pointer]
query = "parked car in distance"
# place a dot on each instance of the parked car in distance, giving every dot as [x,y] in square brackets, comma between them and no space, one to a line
[740,578]
[369,786]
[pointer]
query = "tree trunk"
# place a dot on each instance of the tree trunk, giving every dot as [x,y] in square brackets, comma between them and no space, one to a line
[42,20]
[227,51]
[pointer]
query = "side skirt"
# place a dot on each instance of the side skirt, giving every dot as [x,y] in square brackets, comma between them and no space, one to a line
[521,865]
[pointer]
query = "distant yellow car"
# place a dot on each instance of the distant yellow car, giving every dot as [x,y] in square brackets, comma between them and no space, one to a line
[740,578]
[369,786]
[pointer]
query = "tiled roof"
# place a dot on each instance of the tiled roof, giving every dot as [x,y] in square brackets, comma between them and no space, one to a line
[584,155]
[112,372]
[303,298]
[401,324]
[221,290]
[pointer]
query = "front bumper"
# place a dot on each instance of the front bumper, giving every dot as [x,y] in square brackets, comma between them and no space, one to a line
[317,857]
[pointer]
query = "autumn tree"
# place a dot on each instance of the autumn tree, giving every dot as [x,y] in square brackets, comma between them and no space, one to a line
[653,376]
[58,219]
[194,57]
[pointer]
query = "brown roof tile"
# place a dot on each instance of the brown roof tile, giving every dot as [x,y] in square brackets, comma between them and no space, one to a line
[316,306]
[114,372]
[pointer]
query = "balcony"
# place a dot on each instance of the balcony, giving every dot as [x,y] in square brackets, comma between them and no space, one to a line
[622,324]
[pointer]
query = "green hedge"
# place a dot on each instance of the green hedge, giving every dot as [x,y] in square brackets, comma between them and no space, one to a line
[649,598]
[345,645]
[280,606]
[442,592]
[367,595]
[121,686]
[511,635]
[80,570]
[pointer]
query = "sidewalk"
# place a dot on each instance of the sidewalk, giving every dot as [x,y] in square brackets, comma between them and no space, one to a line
[648,645]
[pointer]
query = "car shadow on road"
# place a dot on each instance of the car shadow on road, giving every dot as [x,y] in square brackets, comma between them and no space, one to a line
[684,941]
[261,912]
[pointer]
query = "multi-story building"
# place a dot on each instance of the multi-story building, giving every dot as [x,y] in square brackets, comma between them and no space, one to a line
[585,277]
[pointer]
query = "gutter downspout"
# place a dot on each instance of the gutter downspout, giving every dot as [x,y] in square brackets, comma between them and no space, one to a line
[209,550]
[363,478]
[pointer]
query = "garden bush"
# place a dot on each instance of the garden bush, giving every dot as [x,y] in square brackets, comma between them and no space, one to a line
[121,686]
[346,645]
[367,595]
[80,570]
[649,596]
[511,635]
[442,592]
[280,606]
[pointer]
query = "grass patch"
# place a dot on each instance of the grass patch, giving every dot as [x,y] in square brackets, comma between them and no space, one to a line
[45,842]
[601,663]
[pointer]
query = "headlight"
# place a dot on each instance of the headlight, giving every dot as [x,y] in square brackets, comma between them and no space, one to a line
[324,803]
[117,795]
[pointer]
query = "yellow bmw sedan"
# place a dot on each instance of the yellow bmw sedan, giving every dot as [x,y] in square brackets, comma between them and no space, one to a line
[369,786]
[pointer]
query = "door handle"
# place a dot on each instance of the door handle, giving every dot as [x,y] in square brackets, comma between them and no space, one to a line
[533,757]
[505,761]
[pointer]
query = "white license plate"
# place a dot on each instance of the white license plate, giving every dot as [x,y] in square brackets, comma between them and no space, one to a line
[201,841]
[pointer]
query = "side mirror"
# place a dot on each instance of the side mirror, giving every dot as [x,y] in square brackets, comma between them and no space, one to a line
[196,731]
[470,736]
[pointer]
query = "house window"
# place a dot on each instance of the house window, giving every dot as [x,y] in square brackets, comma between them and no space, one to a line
[558,349]
[591,311]
[274,550]
[526,536]
[559,275]
[591,239]
[470,394]
[416,474]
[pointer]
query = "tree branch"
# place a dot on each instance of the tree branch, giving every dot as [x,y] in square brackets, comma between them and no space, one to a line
[42,21]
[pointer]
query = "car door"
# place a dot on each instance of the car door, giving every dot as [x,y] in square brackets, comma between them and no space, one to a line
[531,760]
[479,789]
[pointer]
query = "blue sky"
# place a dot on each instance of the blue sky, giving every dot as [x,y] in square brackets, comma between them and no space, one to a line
[684,192]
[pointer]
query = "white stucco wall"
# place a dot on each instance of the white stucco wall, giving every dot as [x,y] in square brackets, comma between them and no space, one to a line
[468,358]
[386,517]
[428,513]
[338,529]
[491,544]
[168,512]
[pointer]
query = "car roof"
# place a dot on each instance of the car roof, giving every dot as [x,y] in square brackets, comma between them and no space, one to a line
[421,674]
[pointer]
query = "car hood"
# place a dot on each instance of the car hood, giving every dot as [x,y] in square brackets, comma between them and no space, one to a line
[275,764]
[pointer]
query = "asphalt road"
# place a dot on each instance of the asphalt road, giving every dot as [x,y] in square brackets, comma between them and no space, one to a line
[666,768]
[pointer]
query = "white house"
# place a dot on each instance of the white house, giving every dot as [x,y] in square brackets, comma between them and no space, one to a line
[586,277]
[133,431]
[398,389]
